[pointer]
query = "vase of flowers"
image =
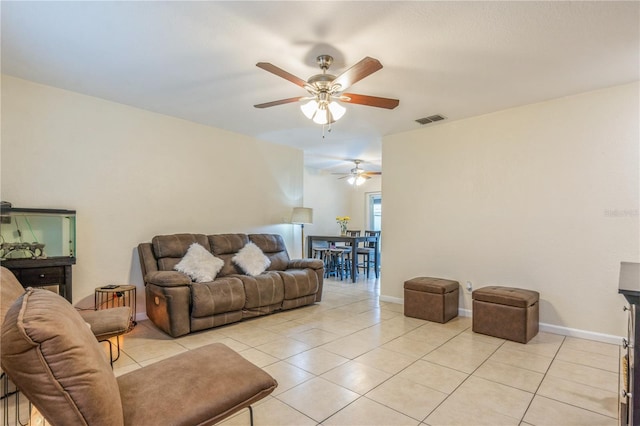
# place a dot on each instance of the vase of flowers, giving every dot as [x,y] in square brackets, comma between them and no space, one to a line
[343,221]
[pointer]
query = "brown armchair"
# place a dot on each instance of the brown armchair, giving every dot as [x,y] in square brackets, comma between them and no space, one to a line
[104,324]
[55,360]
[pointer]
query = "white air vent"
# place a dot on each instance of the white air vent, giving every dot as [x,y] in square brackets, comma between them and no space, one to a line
[430,119]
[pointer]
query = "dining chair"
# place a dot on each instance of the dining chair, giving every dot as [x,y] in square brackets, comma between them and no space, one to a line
[319,250]
[368,253]
[339,262]
[352,233]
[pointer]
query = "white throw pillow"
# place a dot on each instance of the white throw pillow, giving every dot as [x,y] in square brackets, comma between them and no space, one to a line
[251,260]
[199,264]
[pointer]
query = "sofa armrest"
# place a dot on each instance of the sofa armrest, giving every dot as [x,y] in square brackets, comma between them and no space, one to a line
[167,279]
[315,264]
[305,263]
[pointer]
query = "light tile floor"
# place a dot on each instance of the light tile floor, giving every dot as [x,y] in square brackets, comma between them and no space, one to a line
[353,360]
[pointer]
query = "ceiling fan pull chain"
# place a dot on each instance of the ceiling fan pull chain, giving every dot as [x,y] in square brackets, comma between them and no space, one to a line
[328,127]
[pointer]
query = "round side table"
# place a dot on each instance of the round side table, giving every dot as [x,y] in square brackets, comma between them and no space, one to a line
[115,296]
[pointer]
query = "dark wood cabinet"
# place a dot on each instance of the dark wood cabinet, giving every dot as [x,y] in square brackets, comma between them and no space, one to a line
[629,287]
[54,271]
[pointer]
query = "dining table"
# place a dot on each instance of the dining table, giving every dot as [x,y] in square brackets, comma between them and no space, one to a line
[333,239]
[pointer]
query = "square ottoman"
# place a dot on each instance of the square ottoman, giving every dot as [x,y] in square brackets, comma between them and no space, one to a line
[506,312]
[431,299]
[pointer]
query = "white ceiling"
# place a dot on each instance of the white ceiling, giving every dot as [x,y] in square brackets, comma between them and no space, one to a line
[196,60]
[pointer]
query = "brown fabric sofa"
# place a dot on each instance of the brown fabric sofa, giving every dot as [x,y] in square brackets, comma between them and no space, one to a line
[178,306]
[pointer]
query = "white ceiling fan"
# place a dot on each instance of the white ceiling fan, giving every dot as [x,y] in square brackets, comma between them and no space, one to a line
[357,175]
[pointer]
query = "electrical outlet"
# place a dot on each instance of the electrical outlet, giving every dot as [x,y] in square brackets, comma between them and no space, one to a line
[469,286]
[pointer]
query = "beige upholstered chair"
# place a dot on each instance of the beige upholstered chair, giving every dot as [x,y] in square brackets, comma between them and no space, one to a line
[55,360]
[105,323]
[10,290]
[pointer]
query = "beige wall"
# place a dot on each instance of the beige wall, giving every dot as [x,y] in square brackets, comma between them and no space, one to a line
[132,174]
[543,197]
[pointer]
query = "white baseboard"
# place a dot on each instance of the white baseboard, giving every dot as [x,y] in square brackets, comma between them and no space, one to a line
[566,331]
[547,328]
[464,312]
[141,316]
[582,334]
[390,299]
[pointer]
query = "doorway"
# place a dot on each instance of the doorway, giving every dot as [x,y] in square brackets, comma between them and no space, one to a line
[374,211]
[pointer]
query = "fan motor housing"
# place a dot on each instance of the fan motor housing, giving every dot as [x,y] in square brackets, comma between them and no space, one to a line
[321,81]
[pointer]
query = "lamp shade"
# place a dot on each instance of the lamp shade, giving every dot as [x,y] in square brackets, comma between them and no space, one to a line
[356,180]
[302,215]
[337,110]
[309,109]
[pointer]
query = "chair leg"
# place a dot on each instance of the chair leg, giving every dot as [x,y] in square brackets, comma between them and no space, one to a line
[5,397]
[118,347]
[376,270]
[347,266]
[111,358]
[251,415]
[15,393]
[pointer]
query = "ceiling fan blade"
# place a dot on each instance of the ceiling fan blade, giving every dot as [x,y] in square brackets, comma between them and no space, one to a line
[373,101]
[282,73]
[372,173]
[362,69]
[280,102]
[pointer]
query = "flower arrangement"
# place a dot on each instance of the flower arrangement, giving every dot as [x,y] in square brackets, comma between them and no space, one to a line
[343,221]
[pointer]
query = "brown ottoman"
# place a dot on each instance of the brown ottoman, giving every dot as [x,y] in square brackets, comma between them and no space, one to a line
[506,312]
[431,299]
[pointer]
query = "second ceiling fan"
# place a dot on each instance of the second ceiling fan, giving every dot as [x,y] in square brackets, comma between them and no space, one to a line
[357,175]
[326,90]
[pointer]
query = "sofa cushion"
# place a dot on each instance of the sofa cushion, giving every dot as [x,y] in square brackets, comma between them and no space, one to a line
[170,249]
[225,246]
[263,290]
[199,264]
[510,296]
[225,294]
[299,282]
[222,383]
[107,323]
[167,278]
[272,245]
[48,349]
[251,260]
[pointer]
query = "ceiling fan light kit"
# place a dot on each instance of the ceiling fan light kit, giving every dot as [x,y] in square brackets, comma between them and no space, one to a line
[357,176]
[326,90]
[323,112]
[357,180]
